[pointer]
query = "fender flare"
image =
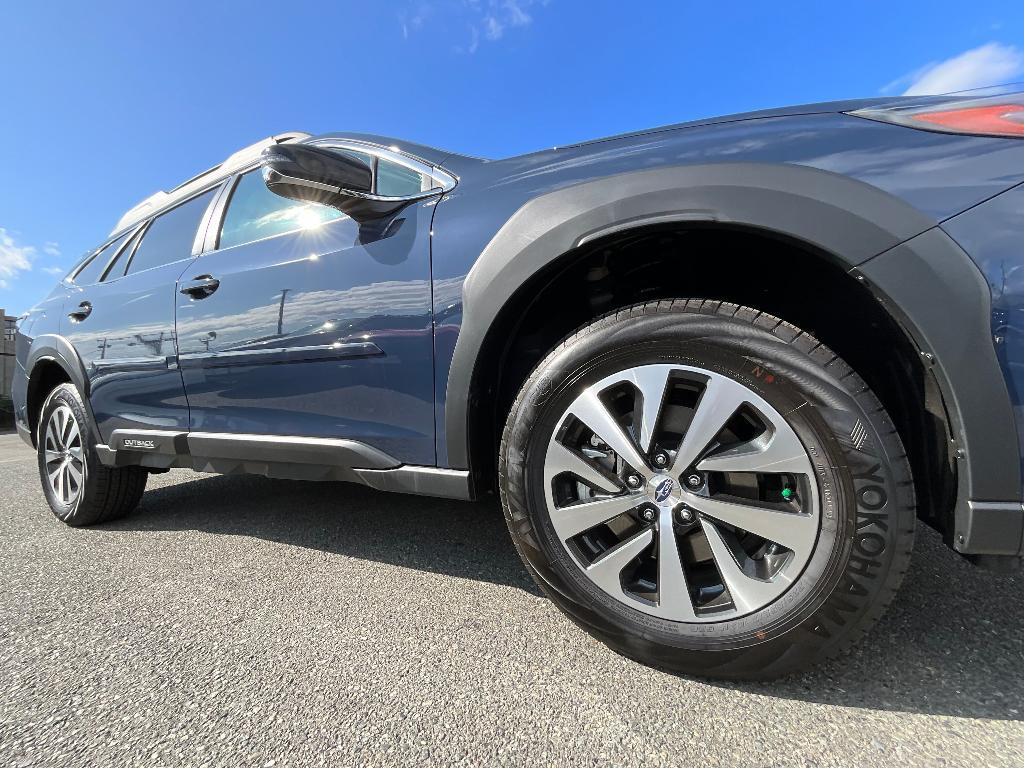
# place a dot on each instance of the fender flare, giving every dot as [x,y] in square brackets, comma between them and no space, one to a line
[57,349]
[846,220]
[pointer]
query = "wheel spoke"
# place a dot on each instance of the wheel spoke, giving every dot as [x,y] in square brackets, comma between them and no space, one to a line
[75,474]
[747,592]
[573,519]
[73,434]
[52,456]
[77,453]
[606,570]
[589,409]
[673,590]
[792,530]
[65,425]
[719,402]
[59,486]
[777,451]
[51,437]
[67,482]
[652,381]
[561,459]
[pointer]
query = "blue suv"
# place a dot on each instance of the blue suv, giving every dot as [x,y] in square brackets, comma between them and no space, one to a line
[715,371]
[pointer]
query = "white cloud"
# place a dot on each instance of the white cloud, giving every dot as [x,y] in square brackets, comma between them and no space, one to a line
[989,64]
[53,270]
[483,19]
[14,258]
[51,248]
[507,14]
[412,19]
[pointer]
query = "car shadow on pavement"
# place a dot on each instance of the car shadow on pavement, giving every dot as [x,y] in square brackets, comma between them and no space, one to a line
[952,642]
[457,538]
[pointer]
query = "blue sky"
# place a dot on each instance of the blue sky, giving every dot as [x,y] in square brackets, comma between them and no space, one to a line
[102,104]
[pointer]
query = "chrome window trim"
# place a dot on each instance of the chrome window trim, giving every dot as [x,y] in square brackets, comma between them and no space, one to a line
[131,243]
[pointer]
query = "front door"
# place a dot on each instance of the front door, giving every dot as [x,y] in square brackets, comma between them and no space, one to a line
[302,322]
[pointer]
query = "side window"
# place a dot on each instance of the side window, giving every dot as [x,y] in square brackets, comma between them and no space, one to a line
[394,180]
[93,268]
[254,212]
[170,235]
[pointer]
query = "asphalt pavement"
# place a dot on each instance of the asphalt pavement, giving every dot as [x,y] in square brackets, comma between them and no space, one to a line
[240,621]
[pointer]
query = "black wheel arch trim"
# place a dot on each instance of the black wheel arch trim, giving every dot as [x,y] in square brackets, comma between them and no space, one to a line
[52,348]
[853,223]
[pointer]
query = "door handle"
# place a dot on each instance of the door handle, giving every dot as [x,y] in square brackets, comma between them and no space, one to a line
[201,286]
[81,313]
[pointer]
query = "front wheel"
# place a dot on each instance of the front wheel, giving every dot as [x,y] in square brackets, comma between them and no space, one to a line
[708,489]
[79,489]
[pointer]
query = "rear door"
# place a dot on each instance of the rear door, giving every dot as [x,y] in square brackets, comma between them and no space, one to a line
[316,326]
[121,322]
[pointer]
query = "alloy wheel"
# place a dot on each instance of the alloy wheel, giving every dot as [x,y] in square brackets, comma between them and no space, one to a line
[64,455]
[682,493]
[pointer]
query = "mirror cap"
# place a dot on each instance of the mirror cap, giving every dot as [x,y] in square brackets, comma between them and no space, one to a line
[314,174]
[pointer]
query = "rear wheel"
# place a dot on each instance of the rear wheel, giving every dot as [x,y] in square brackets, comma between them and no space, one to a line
[708,489]
[78,488]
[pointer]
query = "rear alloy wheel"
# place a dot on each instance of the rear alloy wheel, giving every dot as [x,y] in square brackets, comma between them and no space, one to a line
[707,489]
[64,455]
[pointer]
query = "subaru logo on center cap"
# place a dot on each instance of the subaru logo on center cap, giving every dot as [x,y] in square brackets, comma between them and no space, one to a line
[664,489]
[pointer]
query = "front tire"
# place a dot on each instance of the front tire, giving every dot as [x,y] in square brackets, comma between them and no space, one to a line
[79,489]
[708,489]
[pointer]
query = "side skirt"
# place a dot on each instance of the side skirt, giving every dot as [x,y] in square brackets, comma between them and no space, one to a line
[284,457]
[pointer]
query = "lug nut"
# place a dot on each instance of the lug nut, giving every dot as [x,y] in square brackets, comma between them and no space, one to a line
[633,481]
[660,459]
[648,514]
[685,515]
[695,481]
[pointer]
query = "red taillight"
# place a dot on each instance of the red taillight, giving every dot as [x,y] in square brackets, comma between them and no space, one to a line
[988,115]
[998,119]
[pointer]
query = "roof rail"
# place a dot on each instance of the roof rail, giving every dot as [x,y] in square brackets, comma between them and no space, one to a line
[243,157]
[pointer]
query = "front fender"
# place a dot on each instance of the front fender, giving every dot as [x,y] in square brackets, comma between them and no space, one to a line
[845,219]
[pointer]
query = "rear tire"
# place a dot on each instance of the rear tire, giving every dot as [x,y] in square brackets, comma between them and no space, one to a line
[79,489]
[808,457]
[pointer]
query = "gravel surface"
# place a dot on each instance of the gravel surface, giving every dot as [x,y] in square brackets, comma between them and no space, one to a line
[241,621]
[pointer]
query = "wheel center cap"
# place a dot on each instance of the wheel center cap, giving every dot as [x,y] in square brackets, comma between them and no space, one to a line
[660,487]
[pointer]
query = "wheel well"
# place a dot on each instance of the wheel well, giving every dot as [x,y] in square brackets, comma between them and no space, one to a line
[781,277]
[45,377]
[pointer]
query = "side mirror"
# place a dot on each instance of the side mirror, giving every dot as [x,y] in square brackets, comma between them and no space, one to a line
[318,175]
